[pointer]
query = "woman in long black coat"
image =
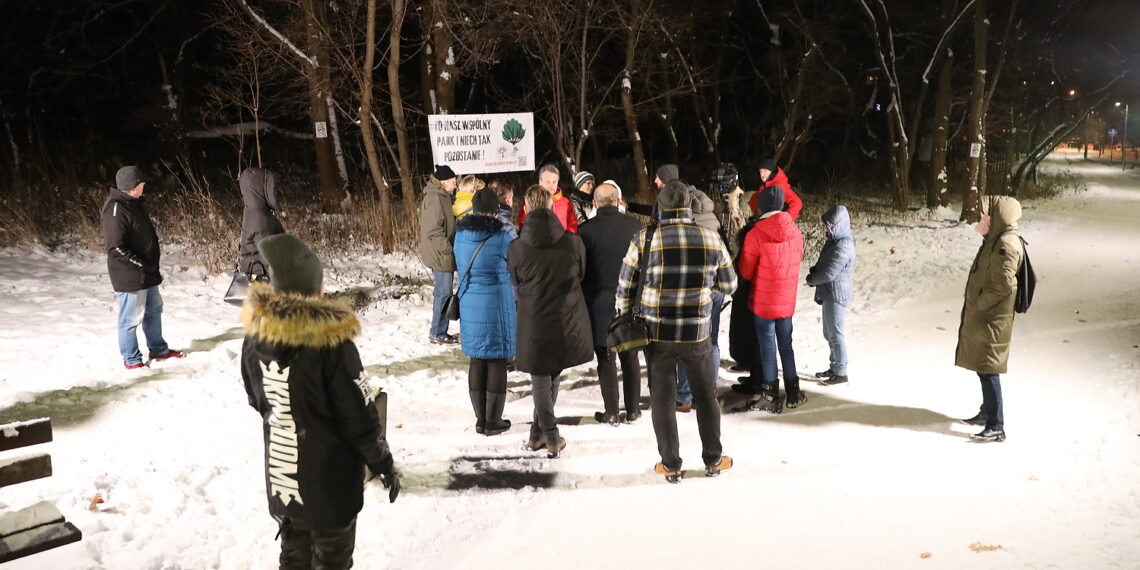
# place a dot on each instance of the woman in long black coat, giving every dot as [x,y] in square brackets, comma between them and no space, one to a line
[547,263]
[259,196]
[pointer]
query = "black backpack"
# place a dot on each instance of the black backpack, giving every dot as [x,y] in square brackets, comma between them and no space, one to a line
[1026,281]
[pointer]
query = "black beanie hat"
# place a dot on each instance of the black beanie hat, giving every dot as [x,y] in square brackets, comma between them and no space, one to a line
[128,177]
[293,268]
[443,172]
[668,173]
[771,199]
[485,201]
[767,164]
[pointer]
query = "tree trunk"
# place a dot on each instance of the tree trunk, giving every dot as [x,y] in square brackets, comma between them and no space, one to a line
[378,179]
[427,59]
[444,75]
[940,132]
[639,165]
[976,137]
[406,189]
[332,187]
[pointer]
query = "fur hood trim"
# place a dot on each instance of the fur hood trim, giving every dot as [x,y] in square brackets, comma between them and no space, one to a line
[296,320]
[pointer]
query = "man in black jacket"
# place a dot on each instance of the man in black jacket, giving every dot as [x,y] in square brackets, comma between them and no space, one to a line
[303,374]
[606,237]
[132,263]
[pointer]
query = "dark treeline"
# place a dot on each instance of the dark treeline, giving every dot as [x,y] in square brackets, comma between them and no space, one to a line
[884,95]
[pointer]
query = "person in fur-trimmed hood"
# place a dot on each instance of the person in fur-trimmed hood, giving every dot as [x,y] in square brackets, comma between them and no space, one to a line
[486,308]
[303,374]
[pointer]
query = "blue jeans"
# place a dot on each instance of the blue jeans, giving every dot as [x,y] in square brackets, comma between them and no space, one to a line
[140,307]
[991,401]
[684,392]
[833,317]
[443,282]
[771,332]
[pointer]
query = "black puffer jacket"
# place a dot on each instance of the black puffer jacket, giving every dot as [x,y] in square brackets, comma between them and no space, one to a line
[132,243]
[259,195]
[303,374]
[606,238]
[548,264]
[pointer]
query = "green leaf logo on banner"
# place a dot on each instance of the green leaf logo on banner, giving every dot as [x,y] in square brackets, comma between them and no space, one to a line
[513,131]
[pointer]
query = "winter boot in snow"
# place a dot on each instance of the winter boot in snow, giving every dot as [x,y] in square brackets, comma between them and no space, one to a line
[606,418]
[536,443]
[833,380]
[988,435]
[724,464]
[670,476]
[978,420]
[553,449]
[825,374]
[769,400]
[495,422]
[794,399]
[479,404]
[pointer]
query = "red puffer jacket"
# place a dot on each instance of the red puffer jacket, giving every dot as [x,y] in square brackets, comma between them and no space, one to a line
[770,259]
[563,208]
[791,200]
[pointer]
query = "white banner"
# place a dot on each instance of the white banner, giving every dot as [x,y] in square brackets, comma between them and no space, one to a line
[482,144]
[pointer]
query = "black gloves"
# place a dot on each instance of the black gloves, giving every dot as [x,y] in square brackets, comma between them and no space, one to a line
[391,481]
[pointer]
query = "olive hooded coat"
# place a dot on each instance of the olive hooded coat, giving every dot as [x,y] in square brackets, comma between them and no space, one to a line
[991,289]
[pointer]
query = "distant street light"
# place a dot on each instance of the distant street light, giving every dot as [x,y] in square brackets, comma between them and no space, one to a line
[1123,137]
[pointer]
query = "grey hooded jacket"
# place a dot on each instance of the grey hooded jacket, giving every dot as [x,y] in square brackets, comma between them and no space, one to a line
[831,274]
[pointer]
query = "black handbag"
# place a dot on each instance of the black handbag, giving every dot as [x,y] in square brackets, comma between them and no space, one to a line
[629,330]
[450,309]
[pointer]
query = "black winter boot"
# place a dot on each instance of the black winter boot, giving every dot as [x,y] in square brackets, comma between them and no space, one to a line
[479,404]
[978,420]
[769,400]
[495,422]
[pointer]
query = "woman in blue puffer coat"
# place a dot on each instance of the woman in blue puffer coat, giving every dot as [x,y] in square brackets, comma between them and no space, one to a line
[486,308]
[831,277]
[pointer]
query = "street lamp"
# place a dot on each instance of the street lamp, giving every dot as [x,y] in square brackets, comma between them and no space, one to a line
[1123,137]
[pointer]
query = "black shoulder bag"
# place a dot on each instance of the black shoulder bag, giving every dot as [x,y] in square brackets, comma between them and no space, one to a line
[629,330]
[451,303]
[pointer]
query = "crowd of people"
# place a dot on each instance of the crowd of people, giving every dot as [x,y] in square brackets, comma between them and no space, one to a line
[539,297]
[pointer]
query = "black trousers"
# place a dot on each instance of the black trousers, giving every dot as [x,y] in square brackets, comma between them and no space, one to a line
[317,549]
[695,357]
[489,375]
[630,378]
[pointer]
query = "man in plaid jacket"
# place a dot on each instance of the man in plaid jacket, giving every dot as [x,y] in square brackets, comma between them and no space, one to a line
[686,264]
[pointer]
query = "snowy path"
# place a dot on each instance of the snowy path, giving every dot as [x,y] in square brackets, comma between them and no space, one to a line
[870,474]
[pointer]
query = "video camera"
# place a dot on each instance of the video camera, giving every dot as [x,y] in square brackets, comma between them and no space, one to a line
[724,179]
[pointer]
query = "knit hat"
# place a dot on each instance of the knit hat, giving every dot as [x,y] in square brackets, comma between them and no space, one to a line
[443,172]
[767,164]
[293,268]
[771,199]
[582,178]
[668,173]
[128,177]
[485,201]
[674,195]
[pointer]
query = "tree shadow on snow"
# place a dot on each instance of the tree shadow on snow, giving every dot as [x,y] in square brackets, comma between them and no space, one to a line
[75,405]
[499,472]
[573,380]
[452,359]
[208,344]
[823,407]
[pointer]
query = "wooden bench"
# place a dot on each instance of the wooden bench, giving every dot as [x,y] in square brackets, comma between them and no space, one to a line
[39,527]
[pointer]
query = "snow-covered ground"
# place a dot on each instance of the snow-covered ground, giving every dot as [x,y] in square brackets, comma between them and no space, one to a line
[872,474]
